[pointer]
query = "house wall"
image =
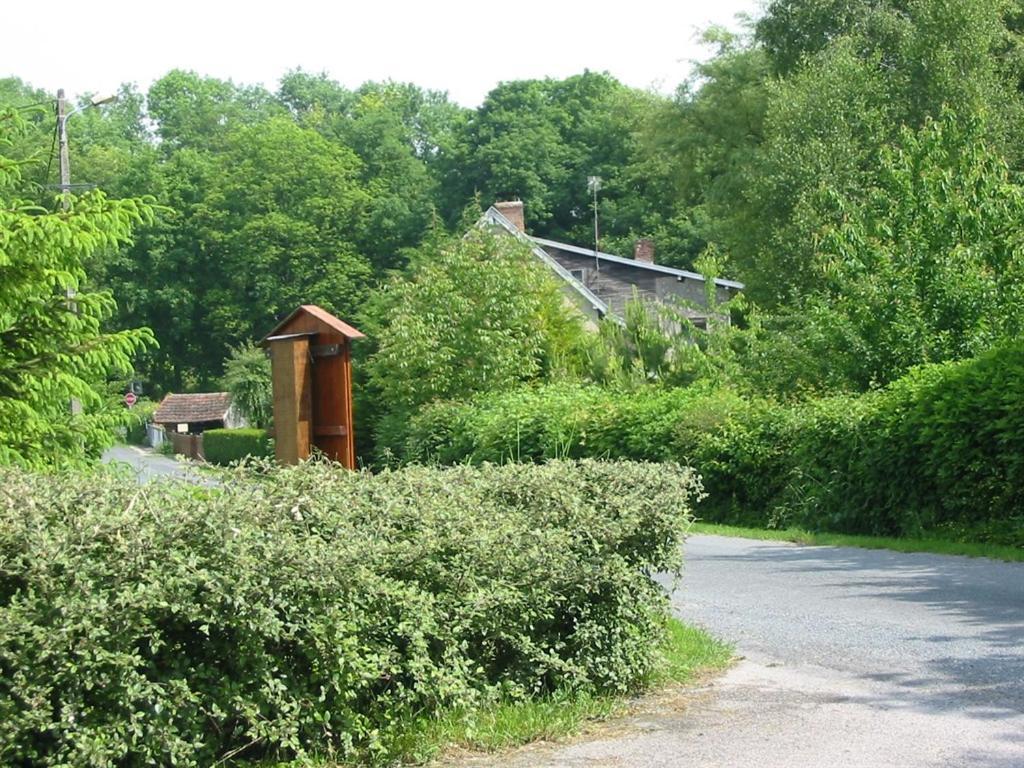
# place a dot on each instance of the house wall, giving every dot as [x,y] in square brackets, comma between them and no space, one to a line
[194,427]
[155,434]
[614,284]
[234,419]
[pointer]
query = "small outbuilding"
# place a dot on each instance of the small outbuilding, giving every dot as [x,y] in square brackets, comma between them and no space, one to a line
[194,413]
[311,361]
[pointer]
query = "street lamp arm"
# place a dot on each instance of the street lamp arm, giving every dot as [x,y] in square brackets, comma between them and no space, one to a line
[94,102]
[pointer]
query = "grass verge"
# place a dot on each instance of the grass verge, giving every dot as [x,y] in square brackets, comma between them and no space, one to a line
[686,654]
[799,536]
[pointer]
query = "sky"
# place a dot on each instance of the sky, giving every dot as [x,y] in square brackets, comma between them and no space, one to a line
[464,48]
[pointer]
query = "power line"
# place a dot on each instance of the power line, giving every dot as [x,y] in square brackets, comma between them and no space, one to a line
[37,104]
[49,157]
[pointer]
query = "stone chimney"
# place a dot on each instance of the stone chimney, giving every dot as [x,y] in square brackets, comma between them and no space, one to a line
[513,211]
[644,250]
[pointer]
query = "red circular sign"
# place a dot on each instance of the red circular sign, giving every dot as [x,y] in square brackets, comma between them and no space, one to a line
[130,399]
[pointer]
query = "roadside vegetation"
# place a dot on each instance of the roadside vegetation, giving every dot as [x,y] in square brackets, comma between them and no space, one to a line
[225,446]
[856,163]
[682,657]
[936,454]
[315,612]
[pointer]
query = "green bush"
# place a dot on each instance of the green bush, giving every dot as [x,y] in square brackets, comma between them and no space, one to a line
[139,416]
[940,451]
[472,313]
[306,610]
[958,430]
[555,421]
[224,446]
[247,376]
[742,448]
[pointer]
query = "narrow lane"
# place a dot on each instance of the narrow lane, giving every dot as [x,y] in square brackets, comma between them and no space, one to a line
[942,631]
[851,657]
[147,464]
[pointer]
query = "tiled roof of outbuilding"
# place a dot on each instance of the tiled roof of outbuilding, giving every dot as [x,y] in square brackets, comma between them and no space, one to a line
[189,409]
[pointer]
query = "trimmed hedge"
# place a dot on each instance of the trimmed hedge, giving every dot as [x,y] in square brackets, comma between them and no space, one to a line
[224,446]
[940,451]
[304,610]
[562,421]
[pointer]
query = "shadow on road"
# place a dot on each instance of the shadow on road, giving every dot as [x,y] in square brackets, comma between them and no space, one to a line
[976,666]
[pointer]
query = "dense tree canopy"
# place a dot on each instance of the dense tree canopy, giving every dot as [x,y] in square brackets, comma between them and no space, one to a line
[790,155]
[539,140]
[812,100]
[930,265]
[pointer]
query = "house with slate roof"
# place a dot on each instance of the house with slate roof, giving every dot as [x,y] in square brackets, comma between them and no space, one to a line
[601,283]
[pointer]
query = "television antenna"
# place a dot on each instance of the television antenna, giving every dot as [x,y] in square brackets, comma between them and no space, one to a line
[593,186]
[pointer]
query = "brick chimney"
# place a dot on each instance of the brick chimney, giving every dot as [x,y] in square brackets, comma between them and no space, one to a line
[644,250]
[513,211]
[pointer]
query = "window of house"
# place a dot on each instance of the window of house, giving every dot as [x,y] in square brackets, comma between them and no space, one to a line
[579,274]
[700,323]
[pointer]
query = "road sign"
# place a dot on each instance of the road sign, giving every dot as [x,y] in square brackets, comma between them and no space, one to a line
[130,399]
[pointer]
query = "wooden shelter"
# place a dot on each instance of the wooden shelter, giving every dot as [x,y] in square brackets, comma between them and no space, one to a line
[310,354]
[193,413]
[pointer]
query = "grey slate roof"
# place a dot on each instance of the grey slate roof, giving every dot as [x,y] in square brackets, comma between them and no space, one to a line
[611,258]
[494,217]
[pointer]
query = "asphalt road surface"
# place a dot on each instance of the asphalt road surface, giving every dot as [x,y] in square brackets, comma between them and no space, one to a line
[147,464]
[851,658]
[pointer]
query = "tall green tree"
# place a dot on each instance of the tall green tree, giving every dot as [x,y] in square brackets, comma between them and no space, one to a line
[247,376]
[398,130]
[930,266]
[282,224]
[276,216]
[539,141]
[53,350]
[273,220]
[835,108]
[36,113]
[113,147]
[471,314]
[200,112]
[699,146]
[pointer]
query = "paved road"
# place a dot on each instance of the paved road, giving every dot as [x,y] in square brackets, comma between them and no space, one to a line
[147,464]
[852,658]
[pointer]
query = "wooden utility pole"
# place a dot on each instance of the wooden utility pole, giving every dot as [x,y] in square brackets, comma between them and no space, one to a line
[65,158]
[65,197]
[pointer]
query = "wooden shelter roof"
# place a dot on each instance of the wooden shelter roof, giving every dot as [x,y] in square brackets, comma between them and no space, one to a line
[322,317]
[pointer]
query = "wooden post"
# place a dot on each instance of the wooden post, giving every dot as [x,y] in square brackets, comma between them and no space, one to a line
[293,398]
[311,357]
